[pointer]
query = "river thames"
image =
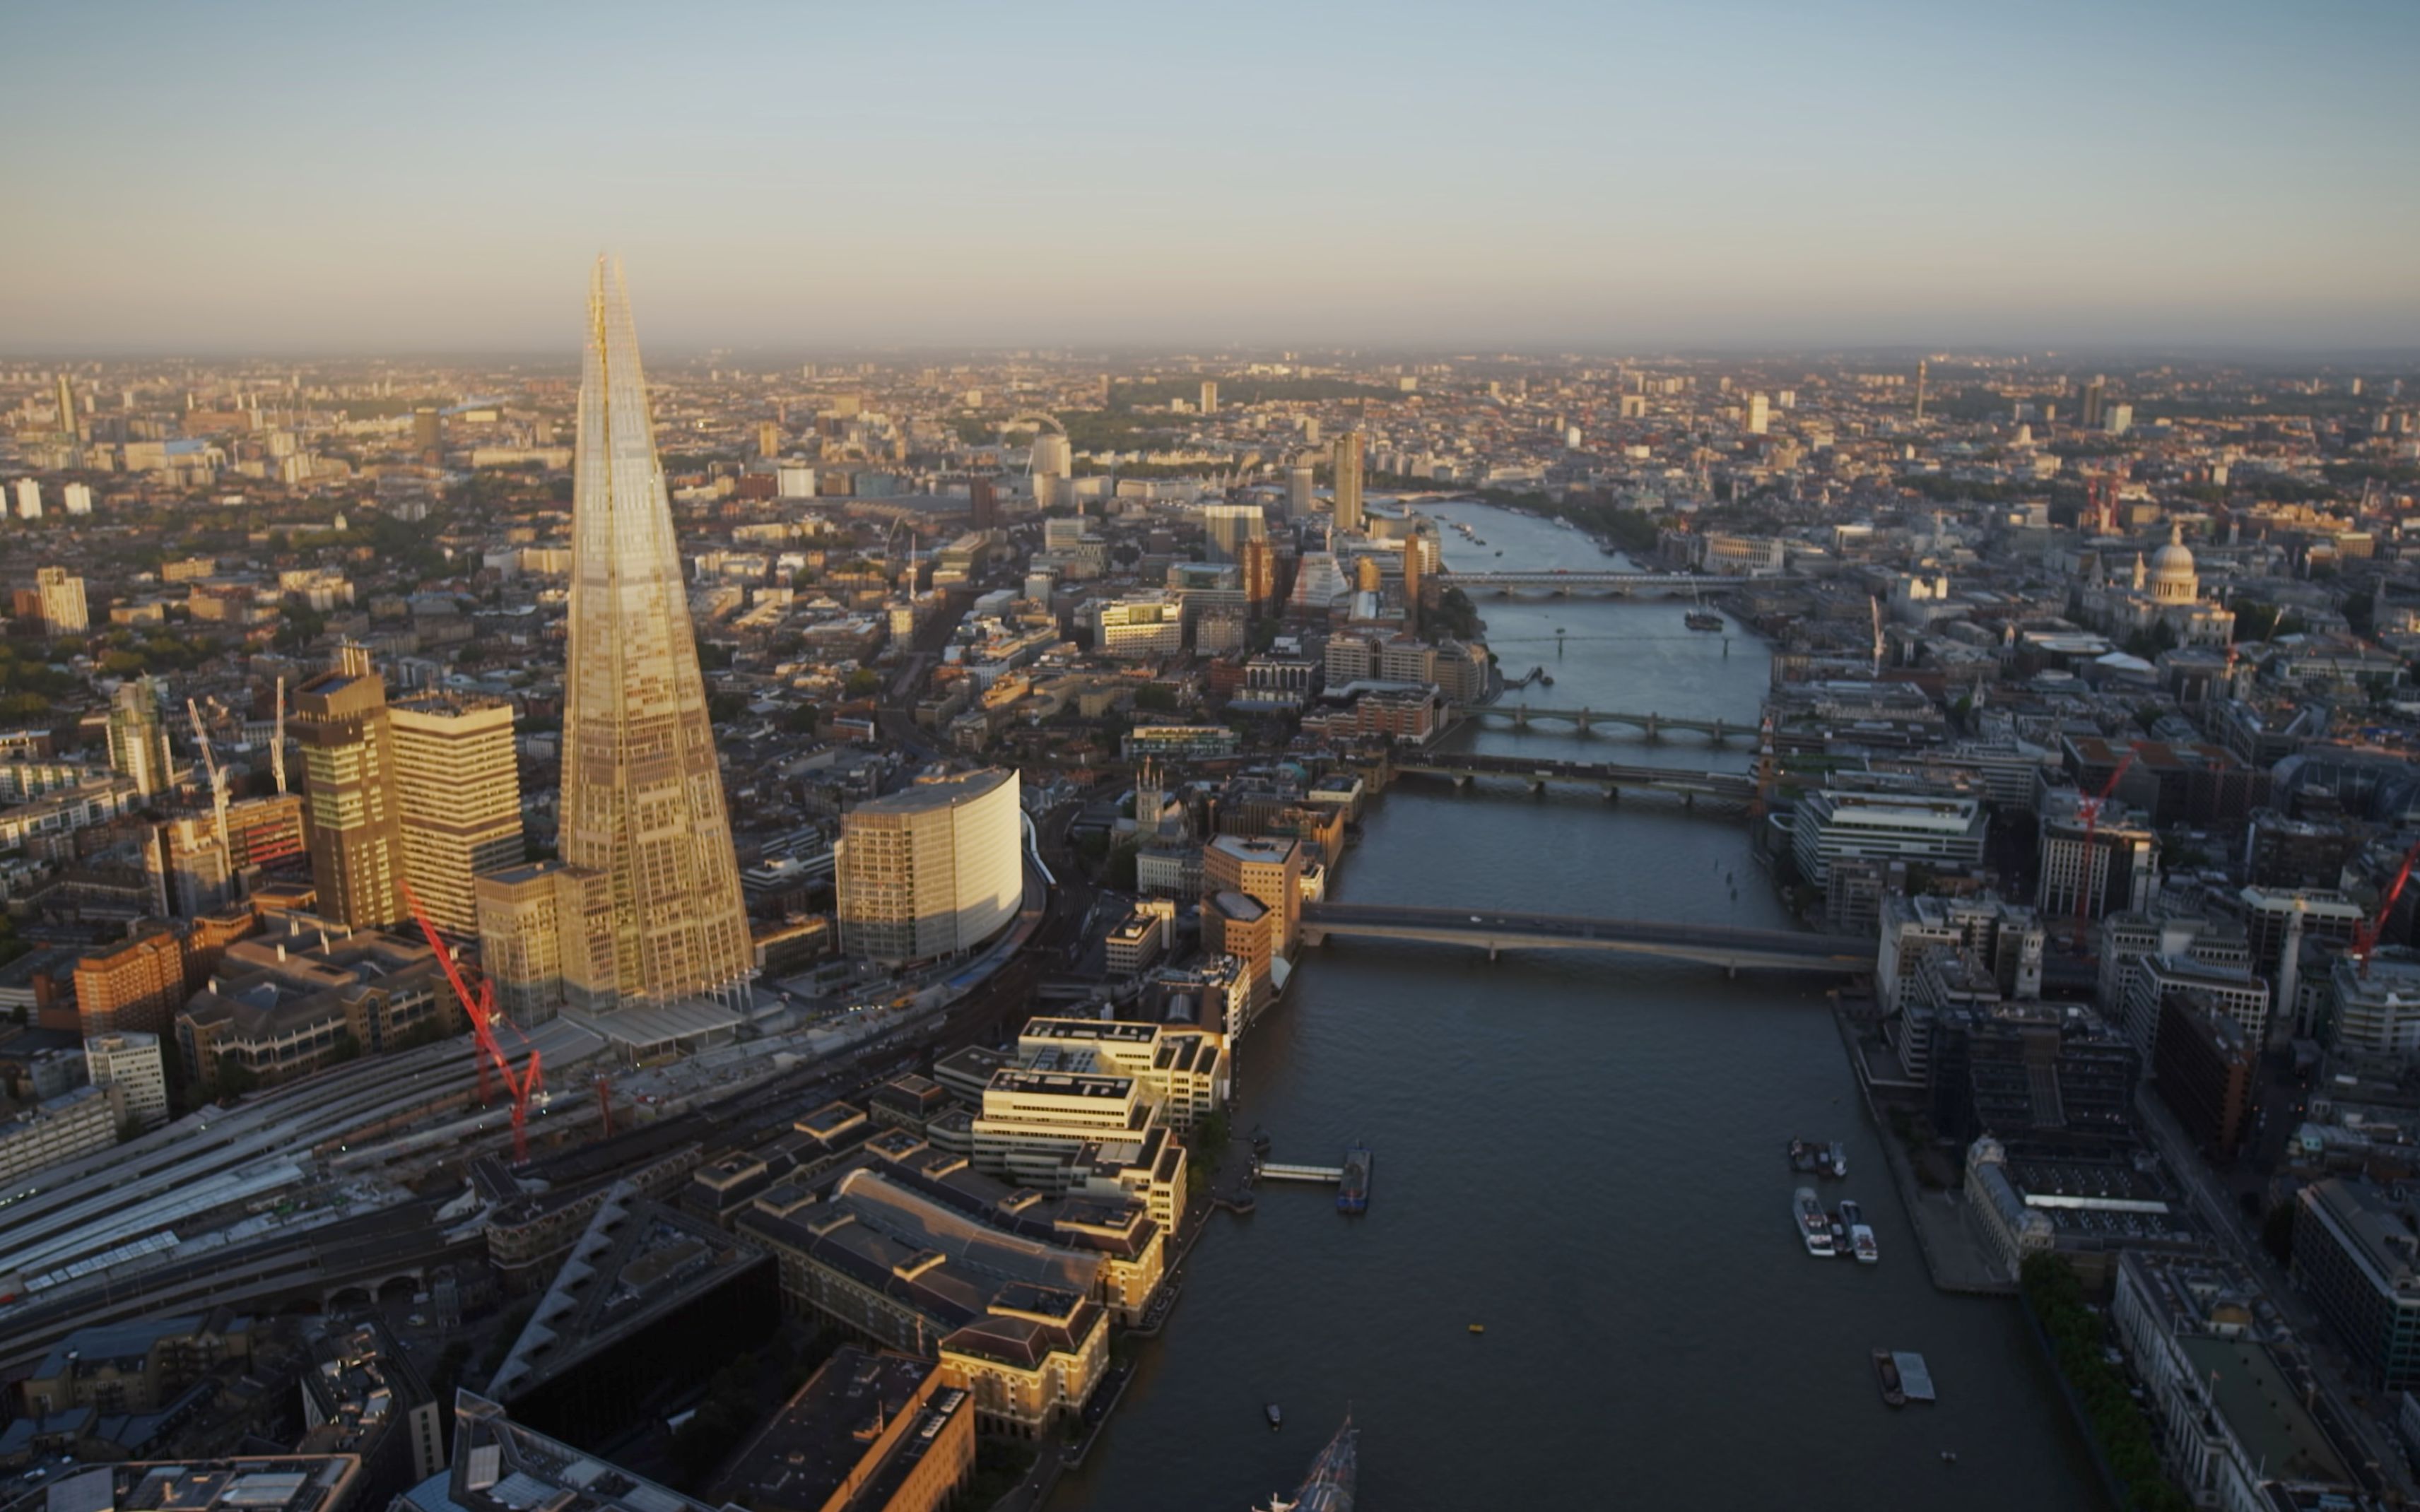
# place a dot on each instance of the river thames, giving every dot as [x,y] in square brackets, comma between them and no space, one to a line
[1584,1154]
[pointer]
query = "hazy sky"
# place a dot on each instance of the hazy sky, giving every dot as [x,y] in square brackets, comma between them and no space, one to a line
[397,177]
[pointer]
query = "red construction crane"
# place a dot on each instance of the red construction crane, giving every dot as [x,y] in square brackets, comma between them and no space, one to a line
[2366,934]
[481,1011]
[2090,812]
[605,1102]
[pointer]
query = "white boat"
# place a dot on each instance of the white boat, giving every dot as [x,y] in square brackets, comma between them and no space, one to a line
[1861,1234]
[1813,1226]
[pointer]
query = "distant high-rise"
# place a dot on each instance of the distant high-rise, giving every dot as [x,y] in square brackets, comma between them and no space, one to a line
[1348,462]
[64,611]
[29,499]
[1919,391]
[1051,464]
[138,738]
[71,429]
[1299,491]
[428,434]
[643,798]
[769,438]
[1228,526]
[349,792]
[2095,395]
[1209,397]
[458,797]
[982,502]
[1759,414]
[1260,574]
[78,497]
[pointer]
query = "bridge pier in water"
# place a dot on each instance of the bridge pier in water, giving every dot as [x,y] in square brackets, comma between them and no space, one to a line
[1654,727]
[1584,721]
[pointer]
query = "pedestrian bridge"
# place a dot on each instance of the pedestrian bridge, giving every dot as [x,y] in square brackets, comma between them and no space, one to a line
[1610,777]
[1603,584]
[1493,930]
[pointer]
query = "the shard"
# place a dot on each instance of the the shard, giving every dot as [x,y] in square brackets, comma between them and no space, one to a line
[641,795]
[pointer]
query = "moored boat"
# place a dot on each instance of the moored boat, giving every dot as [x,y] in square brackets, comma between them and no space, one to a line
[1861,1234]
[1813,1226]
[1887,1372]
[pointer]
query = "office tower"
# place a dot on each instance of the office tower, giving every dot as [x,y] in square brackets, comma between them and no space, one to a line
[70,429]
[63,605]
[1346,461]
[2095,395]
[136,985]
[79,499]
[1260,574]
[1299,491]
[983,501]
[769,438]
[933,870]
[1412,585]
[1759,414]
[132,1063]
[138,739]
[2118,419]
[428,434]
[457,798]
[1209,397]
[1228,526]
[29,499]
[546,938]
[1919,391]
[348,791]
[643,798]
[1268,870]
[1310,430]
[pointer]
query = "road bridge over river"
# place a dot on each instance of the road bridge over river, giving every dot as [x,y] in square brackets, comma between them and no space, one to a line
[1610,777]
[1603,584]
[1493,930]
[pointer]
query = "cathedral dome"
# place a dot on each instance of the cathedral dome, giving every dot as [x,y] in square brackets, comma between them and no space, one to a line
[2173,572]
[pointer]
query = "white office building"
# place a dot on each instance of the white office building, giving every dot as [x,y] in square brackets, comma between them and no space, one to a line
[933,870]
[1889,827]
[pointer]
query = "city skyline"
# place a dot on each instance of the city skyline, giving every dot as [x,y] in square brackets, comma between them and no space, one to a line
[1547,178]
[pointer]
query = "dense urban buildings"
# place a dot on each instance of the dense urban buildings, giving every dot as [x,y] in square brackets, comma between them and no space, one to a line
[885,796]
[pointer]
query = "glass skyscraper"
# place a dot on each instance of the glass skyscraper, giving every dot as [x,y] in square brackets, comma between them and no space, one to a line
[643,798]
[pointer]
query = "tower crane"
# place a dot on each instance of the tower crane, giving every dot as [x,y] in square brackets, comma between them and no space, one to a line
[218,778]
[277,741]
[481,1011]
[2366,934]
